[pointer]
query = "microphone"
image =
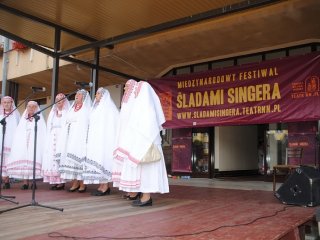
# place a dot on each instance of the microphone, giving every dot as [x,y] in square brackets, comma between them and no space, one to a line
[84,84]
[38,89]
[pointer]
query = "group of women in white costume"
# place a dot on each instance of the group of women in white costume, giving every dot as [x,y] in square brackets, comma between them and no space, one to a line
[95,144]
[87,142]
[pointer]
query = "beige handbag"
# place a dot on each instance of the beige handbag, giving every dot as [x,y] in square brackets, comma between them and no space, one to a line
[153,154]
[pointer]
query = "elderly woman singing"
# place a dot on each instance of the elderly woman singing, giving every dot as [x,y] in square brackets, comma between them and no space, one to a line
[55,123]
[71,152]
[11,116]
[21,159]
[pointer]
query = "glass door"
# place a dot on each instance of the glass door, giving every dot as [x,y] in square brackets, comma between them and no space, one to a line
[201,152]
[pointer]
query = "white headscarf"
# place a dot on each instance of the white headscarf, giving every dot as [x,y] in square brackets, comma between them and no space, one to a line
[86,100]
[15,114]
[54,110]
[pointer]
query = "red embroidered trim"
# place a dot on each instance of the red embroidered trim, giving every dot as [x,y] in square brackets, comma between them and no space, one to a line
[128,92]
[124,183]
[132,159]
[138,89]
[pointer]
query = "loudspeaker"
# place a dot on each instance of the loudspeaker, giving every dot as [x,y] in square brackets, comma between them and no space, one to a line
[301,188]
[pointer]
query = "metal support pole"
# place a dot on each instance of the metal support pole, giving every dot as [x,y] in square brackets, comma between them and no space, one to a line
[55,70]
[95,73]
[5,65]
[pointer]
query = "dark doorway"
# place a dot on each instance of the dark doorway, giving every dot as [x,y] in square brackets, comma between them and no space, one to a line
[202,150]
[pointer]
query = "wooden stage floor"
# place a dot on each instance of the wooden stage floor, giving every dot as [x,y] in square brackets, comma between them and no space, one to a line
[189,211]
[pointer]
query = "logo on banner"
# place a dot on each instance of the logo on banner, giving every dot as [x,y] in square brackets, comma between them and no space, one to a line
[308,88]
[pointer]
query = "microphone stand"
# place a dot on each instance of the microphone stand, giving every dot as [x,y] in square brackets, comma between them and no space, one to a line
[33,201]
[3,123]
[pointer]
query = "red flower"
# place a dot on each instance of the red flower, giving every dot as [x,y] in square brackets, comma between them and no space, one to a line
[18,46]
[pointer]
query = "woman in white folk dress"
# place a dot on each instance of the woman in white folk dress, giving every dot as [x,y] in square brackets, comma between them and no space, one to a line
[71,152]
[56,120]
[102,129]
[136,135]
[21,159]
[126,107]
[11,122]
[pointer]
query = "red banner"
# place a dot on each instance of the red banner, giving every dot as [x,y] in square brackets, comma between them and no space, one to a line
[181,150]
[181,155]
[305,136]
[285,90]
[308,142]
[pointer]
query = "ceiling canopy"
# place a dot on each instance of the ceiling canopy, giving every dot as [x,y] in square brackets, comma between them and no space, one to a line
[85,21]
[144,39]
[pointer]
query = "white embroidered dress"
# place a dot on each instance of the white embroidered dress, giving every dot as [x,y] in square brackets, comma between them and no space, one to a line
[56,120]
[102,129]
[11,124]
[126,108]
[72,147]
[141,130]
[21,159]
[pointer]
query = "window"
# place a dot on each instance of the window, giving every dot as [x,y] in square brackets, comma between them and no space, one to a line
[251,59]
[275,55]
[222,64]
[183,70]
[201,67]
[299,51]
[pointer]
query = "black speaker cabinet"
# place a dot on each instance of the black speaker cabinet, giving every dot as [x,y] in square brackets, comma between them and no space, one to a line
[301,188]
